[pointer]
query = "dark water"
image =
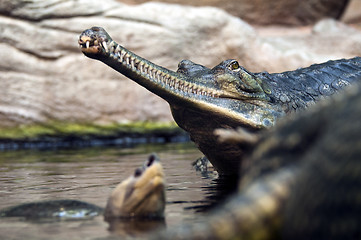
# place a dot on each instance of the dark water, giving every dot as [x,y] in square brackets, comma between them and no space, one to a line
[89,175]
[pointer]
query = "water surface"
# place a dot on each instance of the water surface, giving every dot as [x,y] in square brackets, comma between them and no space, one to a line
[89,175]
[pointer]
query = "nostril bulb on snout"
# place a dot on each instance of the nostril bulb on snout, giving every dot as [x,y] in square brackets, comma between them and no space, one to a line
[138,172]
[151,160]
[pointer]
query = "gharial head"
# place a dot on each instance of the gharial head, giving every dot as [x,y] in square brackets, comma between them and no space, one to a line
[226,80]
[142,195]
[227,90]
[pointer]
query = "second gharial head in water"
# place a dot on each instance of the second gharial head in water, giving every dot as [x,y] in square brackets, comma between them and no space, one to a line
[141,195]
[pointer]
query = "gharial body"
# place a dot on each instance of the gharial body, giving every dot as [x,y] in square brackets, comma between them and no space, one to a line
[301,180]
[226,96]
[142,195]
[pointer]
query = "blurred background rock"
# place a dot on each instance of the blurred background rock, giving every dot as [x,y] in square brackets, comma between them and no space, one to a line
[264,12]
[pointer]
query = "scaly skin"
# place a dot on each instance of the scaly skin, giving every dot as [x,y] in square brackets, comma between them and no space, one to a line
[226,96]
[302,180]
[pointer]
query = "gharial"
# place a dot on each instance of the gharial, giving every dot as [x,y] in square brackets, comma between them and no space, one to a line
[226,96]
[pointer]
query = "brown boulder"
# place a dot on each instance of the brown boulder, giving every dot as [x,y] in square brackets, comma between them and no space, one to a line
[266,12]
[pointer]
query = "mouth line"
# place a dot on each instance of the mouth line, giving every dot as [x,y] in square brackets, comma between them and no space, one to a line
[89,45]
[94,46]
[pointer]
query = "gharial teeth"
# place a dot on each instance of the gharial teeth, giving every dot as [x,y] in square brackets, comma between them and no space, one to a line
[132,62]
[111,45]
[140,67]
[122,54]
[117,49]
[105,46]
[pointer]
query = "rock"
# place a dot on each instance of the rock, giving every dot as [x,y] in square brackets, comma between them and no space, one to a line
[46,78]
[352,13]
[265,12]
[301,47]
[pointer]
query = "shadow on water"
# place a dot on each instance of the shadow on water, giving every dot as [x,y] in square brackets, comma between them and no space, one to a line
[89,175]
[216,192]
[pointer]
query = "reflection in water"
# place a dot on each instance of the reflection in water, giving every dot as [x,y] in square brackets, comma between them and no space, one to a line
[90,175]
[135,227]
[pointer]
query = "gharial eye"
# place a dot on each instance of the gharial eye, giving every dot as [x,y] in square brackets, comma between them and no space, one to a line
[234,65]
